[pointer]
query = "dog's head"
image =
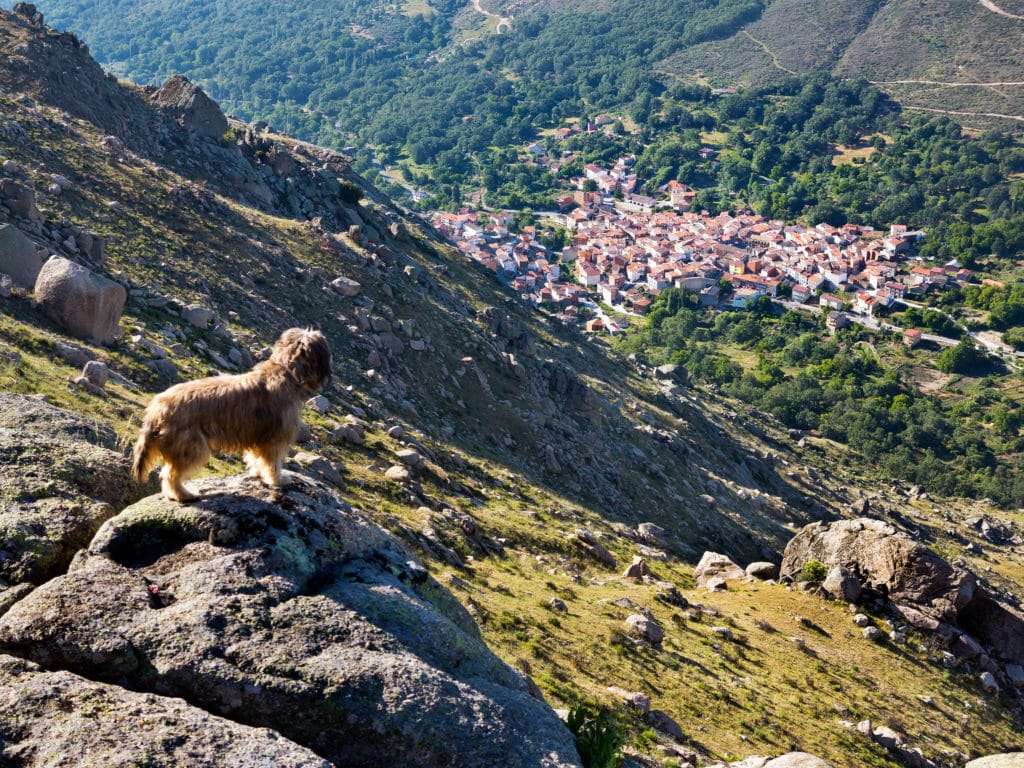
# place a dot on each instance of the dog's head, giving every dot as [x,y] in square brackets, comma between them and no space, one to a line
[305,354]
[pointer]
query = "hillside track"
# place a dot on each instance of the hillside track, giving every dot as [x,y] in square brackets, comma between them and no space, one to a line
[996,9]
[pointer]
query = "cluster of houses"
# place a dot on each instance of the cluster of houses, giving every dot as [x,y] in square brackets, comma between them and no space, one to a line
[627,249]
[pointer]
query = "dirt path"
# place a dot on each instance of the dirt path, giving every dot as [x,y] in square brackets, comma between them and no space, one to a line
[996,9]
[775,59]
[948,85]
[503,21]
[1018,118]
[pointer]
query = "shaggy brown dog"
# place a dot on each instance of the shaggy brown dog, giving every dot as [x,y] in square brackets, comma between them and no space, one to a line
[255,414]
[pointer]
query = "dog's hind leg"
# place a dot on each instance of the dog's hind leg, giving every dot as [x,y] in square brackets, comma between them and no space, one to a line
[189,455]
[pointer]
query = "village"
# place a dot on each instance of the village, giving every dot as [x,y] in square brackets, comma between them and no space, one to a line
[626,248]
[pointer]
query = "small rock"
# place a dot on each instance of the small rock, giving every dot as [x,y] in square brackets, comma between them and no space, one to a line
[1015,674]
[762,570]
[557,604]
[872,633]
[714,565]
[410,458]
[320,404]
[96,373]
[635,699]
[988,682]
[637,569]
[723,632]
[396,432]
[841,584]
[197,315]
[645,628]
[398,474]
[861,620]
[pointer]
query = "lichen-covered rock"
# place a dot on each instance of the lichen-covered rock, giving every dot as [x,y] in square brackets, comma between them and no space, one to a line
[1006,760]
[43,714]
[69,479]
[264,604]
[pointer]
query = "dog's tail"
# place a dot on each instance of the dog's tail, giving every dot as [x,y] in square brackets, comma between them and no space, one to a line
[144,455]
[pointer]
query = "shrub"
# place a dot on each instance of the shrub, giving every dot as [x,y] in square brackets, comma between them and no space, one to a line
[351,192]
[813,571]
[597,738]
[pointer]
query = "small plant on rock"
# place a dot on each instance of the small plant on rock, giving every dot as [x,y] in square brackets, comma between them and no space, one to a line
[813,571]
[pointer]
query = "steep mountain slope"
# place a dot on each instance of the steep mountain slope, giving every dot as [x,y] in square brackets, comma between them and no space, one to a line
[539,453]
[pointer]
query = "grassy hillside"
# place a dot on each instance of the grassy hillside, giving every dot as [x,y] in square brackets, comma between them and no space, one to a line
[966,57]
[490,513]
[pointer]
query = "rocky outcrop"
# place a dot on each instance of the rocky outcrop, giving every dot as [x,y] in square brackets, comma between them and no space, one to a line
[929,592]
[70,479]
[1007,760]
[43,714]
[885,561]
[287,610]
[191,107]
[85,304]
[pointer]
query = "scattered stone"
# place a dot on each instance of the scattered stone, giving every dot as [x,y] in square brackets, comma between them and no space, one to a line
[723,632]
[346,287]
[637,569]
[762,570]
[56,715]
[557,604]
[96,373]
[398,474]
[670,595]
[1015,675]
[396,432]
[411,458]
[6,284]
[84,303]
[716,584]
[635,699]
[663,723]
[197,315]
[351,431]
[713,565]
[320,404]
[1006,760]
[19,258]
[872,633]
[861,620]
[650,532]
[988,682]
[645,628]
[588,542]
[191,107]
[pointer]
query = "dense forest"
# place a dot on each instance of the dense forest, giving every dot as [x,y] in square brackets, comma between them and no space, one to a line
[856,388]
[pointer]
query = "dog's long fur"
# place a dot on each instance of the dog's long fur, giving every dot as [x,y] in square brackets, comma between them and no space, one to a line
[254,414]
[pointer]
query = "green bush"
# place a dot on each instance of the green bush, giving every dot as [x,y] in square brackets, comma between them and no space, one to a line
[813,571]
[597,738]
[351,192]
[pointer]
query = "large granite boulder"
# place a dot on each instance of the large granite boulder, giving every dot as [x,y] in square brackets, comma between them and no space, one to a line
[85,304]
[46,714]
[287,610]
[885,561]
[62,478]
[931,593]
[19,257]
[191,107]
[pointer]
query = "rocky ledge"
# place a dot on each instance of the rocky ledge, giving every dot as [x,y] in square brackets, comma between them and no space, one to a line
[261,609]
